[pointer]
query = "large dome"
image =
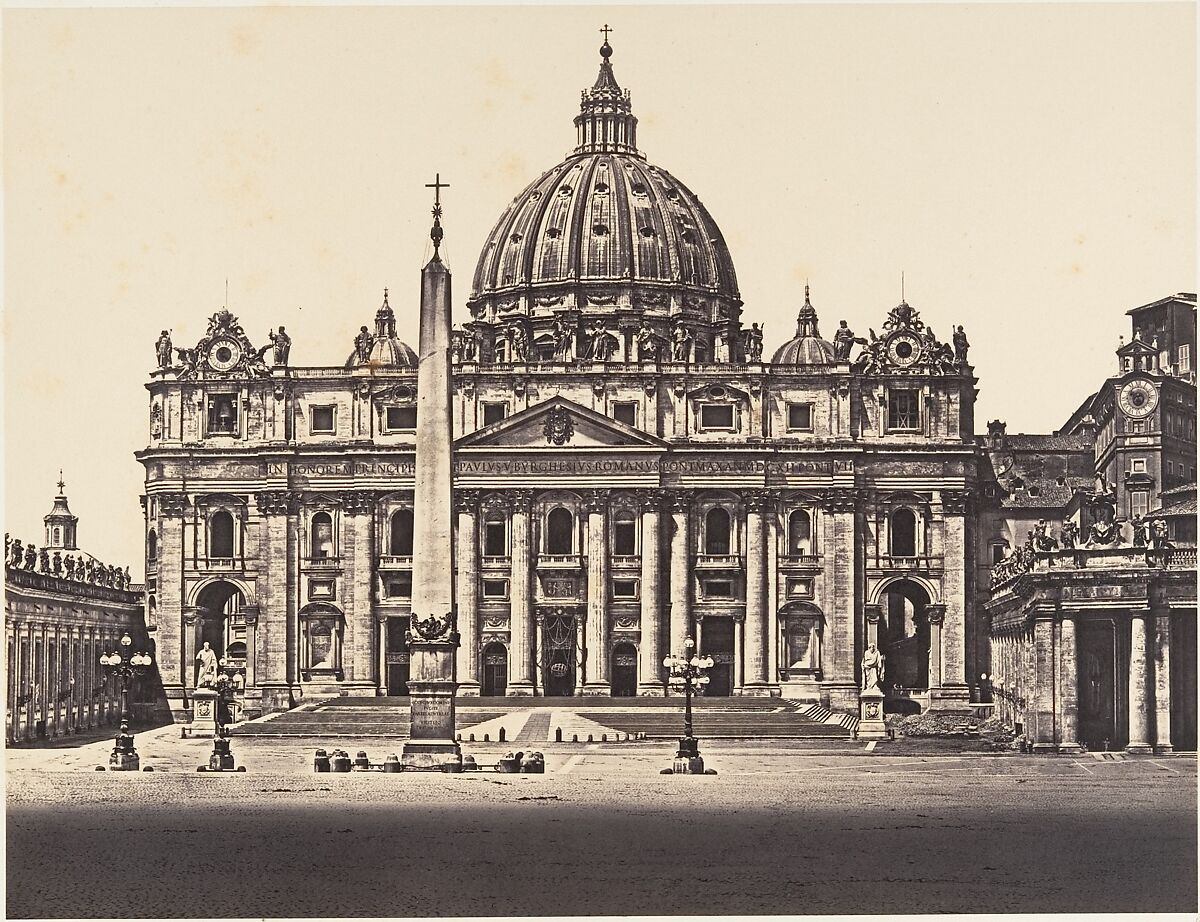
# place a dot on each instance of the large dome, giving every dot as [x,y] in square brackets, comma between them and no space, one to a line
[606,232]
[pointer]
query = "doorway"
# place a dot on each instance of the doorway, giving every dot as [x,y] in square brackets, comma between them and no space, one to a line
[396,656]
[495,670]
[1098,728]
[904,636]
[624,671]
[559,673]
[716,638]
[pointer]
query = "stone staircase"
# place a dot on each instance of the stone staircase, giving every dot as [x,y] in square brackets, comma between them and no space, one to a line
[536,720]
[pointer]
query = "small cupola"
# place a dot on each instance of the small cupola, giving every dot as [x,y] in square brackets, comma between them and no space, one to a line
[61,525]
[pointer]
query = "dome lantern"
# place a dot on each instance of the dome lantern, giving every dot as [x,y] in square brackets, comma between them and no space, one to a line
[606,122]
[61,525]
[806,347]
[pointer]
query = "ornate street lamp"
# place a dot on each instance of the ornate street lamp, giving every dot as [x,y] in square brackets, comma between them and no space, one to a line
[688,671]
[125,665]
[221,759]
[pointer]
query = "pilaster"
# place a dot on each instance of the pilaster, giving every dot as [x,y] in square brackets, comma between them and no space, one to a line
[171,664]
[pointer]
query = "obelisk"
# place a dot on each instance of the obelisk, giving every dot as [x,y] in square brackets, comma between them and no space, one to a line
[433,639]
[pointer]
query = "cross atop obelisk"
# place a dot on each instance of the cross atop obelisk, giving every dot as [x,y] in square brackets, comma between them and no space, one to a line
[435,233]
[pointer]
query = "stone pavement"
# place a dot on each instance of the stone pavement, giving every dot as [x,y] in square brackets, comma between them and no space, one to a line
[784,828]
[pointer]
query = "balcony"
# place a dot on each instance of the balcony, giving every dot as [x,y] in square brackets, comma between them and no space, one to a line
[625,561]
[889,562]
[719,562]
[559,562]
[1120,557]
[395,562]
[218,563]
[495,562]
[322,563]
[801,560]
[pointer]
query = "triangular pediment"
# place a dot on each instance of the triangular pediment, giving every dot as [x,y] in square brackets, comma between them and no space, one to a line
[559,423]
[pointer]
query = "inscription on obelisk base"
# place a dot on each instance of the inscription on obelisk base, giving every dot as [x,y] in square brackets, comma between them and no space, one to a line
[431,745]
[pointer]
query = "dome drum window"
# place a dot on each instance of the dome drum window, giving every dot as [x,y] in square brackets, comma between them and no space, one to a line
[600,230]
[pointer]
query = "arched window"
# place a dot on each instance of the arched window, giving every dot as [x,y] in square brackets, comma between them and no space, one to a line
[625,534]
[716,531]
[220,539]
[799,532]
[904,533]
[152,545]
[560,525]
[400,541]
[322,535]
[57,535]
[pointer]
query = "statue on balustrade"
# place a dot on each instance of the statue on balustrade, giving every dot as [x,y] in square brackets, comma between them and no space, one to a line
[844,340]
[17,553]
[282,344]
[1068,534]
[69,566]
[604,344]
[1141,531]
[30,557]
[870,360]
[752,342]
[681,343]
[163,349]
[1160,535]
[362,345]
[1042,539]
[56,564]
[650,345]
[564,340]
[44,560]
[518,343]
[960,346]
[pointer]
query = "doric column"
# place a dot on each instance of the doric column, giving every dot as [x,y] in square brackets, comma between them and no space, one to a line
[1043,686]
[358,651]
[597,595]
[1140,704]
[1068,686]
[754,649]
[1162,683]
[681,571]
[937,617]
[651,671]
[466,503]
[520,618]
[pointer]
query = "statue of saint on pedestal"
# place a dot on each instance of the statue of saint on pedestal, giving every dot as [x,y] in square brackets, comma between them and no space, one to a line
[206,669]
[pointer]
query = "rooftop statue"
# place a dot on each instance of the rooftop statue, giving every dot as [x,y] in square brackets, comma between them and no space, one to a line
[282,344]
[844,340]
[564,340]
[752,342]
[163,349]
[681,343]
[959,338]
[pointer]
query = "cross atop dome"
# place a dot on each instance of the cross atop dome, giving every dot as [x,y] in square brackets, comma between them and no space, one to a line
[605,122]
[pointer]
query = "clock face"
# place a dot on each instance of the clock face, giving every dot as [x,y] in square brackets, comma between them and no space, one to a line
[223,354]
[903,349]
[1138,399]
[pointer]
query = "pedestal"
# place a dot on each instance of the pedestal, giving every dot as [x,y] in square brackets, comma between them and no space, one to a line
[124,757]
[204,713]
[870,715]
[687,759]
[431,745]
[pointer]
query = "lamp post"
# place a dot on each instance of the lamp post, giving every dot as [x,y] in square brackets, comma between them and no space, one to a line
[125,664]
[688,671]
[221,759]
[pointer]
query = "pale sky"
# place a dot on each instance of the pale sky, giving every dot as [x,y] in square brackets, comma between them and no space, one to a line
[1030,168]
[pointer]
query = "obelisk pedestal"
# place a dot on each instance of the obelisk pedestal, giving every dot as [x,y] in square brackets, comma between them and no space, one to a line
[870,717]
[431,745]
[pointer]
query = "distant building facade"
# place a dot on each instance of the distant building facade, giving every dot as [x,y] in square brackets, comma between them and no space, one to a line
[63,608]
[1093,545]
[630,471]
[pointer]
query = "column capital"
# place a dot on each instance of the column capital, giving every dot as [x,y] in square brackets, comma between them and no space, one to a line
[758,501]
[277,502]
[935,613]
[496,502]
[521,500]
[172,505]
[874,612]
[956,502]
[651,500]
[736,617]
[250,614]
[191,614]
[680,500]
[466,501]
[841,499]
[596,502]
[358,502]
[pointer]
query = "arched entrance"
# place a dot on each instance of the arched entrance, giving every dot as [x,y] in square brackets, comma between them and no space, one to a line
[624,670]
[220,622]
[396,656]
[495,671]
[716,640]
[904,635]
[559,654]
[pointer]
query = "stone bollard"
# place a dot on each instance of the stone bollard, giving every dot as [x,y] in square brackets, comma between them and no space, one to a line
[392,764]
[574,737]
[558,734]
[321,761]
[533,764]
[339,761]
[501,737]
[469,764]
[361,762]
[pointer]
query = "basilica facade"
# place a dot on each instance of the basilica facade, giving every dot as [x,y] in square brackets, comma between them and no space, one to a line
[630,471]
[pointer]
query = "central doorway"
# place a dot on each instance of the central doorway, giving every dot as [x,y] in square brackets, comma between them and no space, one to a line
[716,640]
[624,671]
[495,671]
[559,668]
[396,656]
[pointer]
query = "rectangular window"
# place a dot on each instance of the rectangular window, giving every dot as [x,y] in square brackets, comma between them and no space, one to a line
[320,589]
[998,550]
[1170,469]
[799,417]
[495,542]
[399,587]
[903,410]
[495,589]
[401,419]
[322,419]
[1185,358]
[624,538]
[625,588]
[799,587]
[625,412]
[718,589]
[1139,503]
[222,414]
[716,416]
[1139,465]
[493,413]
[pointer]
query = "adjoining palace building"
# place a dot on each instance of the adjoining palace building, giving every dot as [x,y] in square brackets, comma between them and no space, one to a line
[629,472]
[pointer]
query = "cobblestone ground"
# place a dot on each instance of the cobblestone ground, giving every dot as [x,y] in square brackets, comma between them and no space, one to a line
[781,829]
